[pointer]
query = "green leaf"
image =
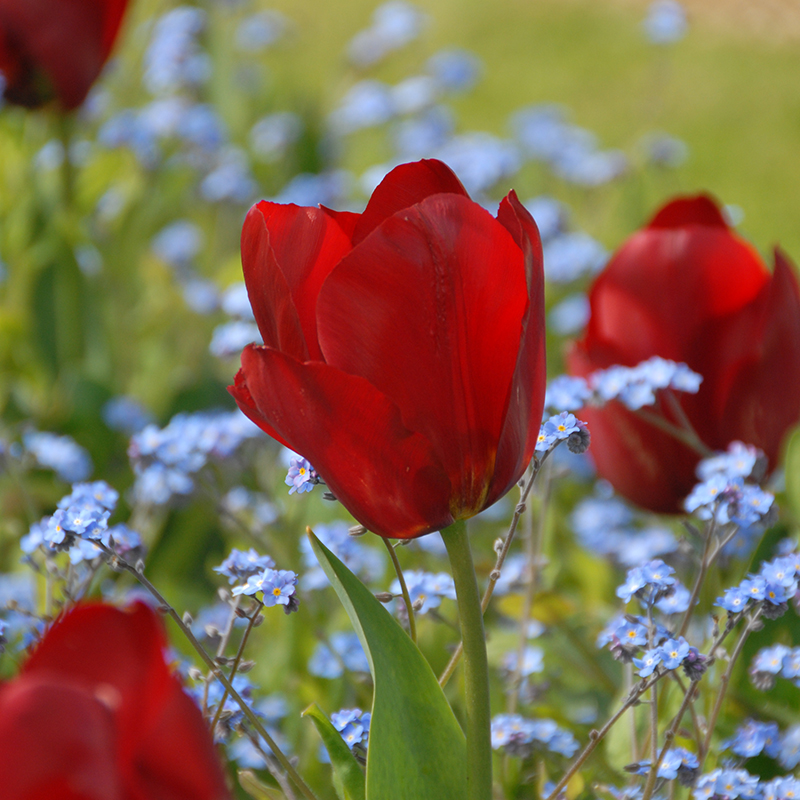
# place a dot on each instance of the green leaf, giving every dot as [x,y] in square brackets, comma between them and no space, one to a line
[256,789]
[348,779]
[793,473]
[417,750]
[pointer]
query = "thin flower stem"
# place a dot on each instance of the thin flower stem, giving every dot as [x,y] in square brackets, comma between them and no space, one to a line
[494,576]
[251,623]
[476,665]
[223,643]
[724,682]
[595,736]
[276,773]
[692,712]
[534,537]
[119,563]
[412,623]
[669,737]
[687,437]
[67,171]
[705,563]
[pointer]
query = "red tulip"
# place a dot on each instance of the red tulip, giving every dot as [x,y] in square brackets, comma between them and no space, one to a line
[688,289]
[403,347]
[96,714]
[55,49]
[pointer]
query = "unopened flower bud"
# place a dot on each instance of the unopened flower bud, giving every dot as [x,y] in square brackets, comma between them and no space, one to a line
[384,597]
[578,441]
[357,530]
[187,619]
[329,496]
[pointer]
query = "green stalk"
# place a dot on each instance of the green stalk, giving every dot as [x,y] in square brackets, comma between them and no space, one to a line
[476,666]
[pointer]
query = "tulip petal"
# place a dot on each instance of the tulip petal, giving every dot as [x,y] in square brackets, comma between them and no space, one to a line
[645,465]
[56,741]
[403,187]
[526,401]
[66,43]
[387,476]
[247,405]
[429,309]
[287,252]
[698,210]
[647,288]
[752,360]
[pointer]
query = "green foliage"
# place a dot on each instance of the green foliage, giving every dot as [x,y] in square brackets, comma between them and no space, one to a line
[348,779]
[416,749]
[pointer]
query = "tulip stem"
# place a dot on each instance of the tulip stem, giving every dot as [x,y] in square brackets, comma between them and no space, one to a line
[412,623]
[476,666]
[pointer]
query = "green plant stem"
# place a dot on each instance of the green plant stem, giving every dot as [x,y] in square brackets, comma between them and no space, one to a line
[412,622]
[118,563]
[234,669]
[724,683]
[687,437]
[494,576]
[476,665]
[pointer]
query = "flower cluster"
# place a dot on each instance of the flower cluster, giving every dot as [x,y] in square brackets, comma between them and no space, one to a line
[426,589]
[241,565]
[362,560]
[753,738]
[343,652]
[165,459]
[563,427]
[724,493]
[278,587]
[517,736]
[606,525]
[677,763]
[353,724]
[79,522]
[738,783]
[773,662]
[62,454]
[775,584]
[634,387]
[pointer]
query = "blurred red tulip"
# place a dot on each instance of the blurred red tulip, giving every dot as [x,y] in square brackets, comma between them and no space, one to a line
[96,714]
[403,347]
[55,49]
[688,289]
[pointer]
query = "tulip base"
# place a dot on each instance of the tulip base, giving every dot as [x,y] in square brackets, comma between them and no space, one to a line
[476,666]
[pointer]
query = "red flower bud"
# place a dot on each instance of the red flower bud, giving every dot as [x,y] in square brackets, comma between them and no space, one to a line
[55,49]
[403,347]
[688,289]
[96,714]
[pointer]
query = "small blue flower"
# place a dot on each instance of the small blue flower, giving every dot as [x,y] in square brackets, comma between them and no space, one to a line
[779,571]
[770,659]
[301,476]
[658,574]
[665,22]
[241,565]
[277,586]
[754,587]
[634,582]
[735,600]
[673,651]
[648,662]
[676,602]
[532,661]
[631,634]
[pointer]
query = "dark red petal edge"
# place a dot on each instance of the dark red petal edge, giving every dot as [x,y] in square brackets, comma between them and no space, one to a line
[386,476]
[700,209]
[403,187]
